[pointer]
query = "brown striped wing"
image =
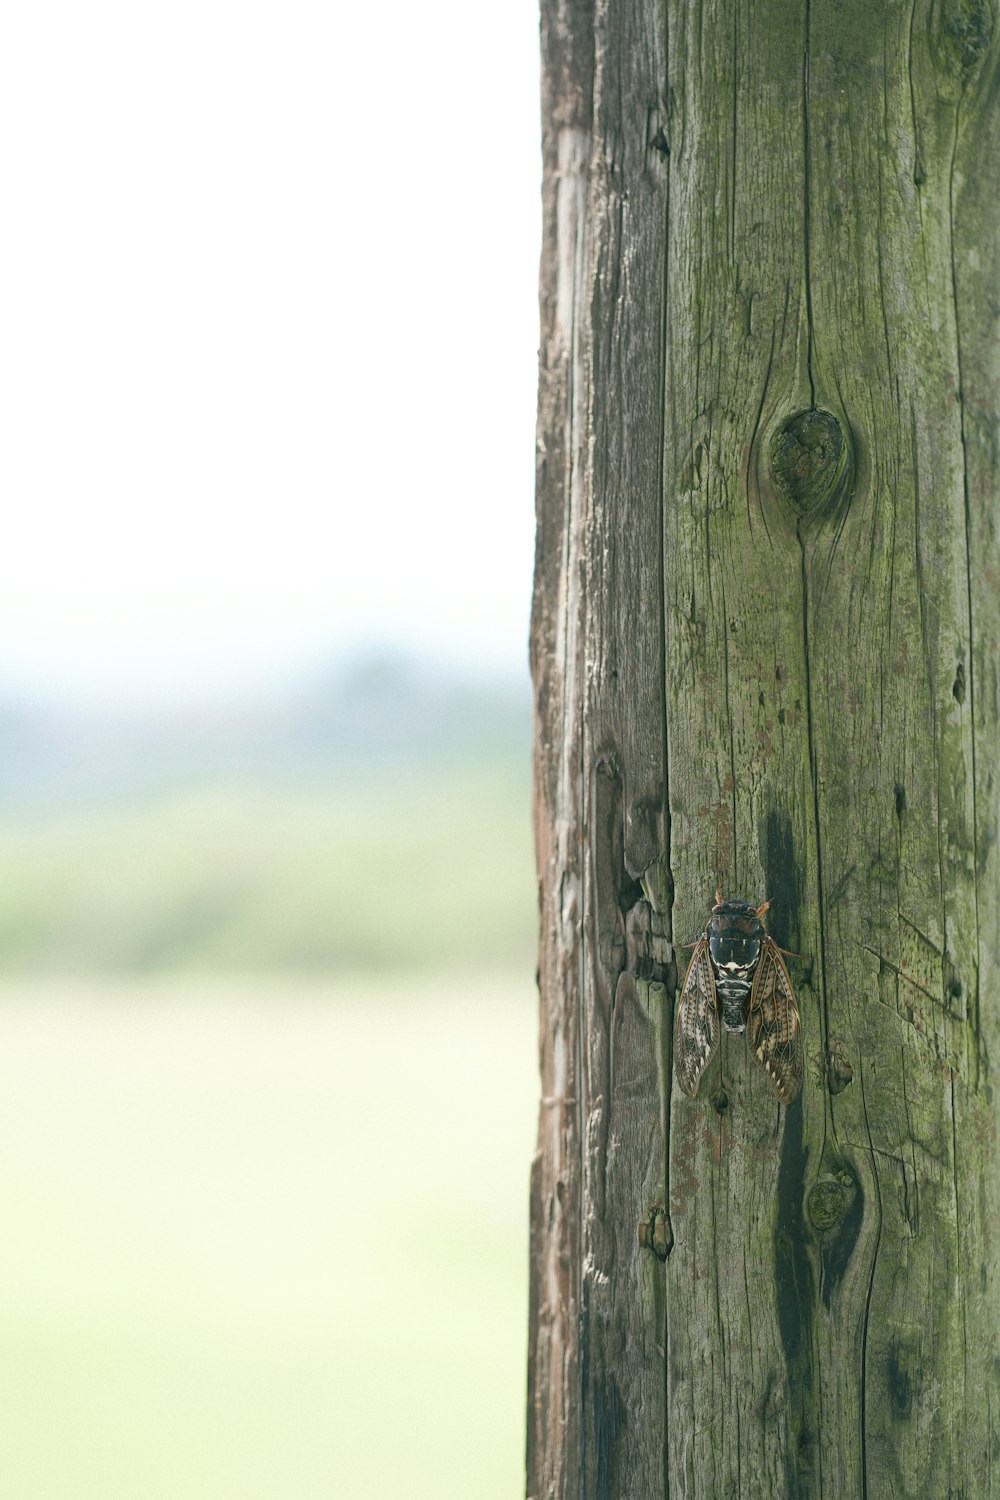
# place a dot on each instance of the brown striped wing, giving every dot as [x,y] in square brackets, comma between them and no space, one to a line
[774,1033]
[696,1028]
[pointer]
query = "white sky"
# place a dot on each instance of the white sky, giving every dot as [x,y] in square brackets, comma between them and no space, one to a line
[268,323]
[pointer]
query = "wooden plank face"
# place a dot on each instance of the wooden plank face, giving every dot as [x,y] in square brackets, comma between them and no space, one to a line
[553,1417]
[623,1436]
[895,741]
[766,649]
[741,1278]
[822,745]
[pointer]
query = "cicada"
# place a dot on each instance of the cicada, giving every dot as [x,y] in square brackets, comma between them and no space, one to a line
[737,974]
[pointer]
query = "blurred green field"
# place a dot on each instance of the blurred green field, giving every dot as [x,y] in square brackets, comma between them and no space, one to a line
[401,866]
[267,1101]
[264,1241]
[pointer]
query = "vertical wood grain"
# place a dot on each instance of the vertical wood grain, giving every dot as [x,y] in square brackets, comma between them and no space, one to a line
[766,647]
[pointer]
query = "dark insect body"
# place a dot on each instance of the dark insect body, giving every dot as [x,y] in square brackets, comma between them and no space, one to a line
[737,975]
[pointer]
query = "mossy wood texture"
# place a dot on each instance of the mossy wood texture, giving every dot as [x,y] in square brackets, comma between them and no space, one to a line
[766,646]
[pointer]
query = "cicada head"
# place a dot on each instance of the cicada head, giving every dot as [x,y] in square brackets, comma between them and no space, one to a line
[735,934]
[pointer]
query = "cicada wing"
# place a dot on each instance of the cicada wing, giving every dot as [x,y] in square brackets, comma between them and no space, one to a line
[774,1032]
[696,1028]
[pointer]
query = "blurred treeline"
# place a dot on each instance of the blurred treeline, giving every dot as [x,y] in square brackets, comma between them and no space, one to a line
[378,819]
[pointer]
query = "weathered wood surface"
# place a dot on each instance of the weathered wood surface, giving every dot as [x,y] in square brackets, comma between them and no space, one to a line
[758,669]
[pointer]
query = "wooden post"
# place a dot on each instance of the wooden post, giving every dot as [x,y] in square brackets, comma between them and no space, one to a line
[766,648]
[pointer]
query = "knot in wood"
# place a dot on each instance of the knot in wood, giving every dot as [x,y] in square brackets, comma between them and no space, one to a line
[839,1072]
[827,1203]
[656,1232]
[811,462]
[965,30]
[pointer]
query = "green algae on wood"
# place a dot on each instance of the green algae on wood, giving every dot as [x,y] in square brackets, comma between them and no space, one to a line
[766,650]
